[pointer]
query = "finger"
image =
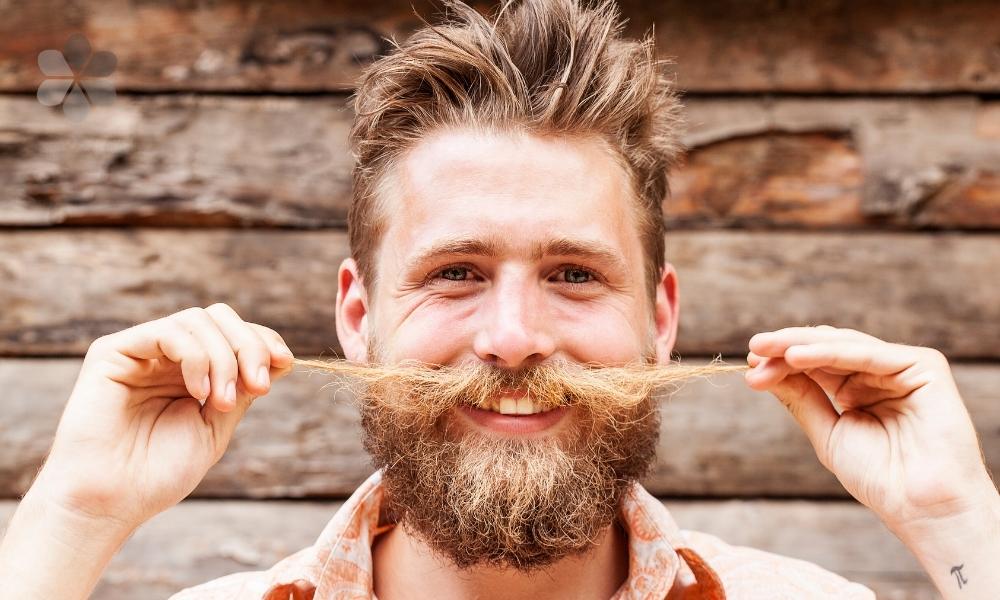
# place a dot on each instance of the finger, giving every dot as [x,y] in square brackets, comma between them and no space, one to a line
[223,424]
[774,343]
[863,357]
[280,353]
[223,369]
[767,372]
[165,338]
[252,353]
[811,408]
[761,379]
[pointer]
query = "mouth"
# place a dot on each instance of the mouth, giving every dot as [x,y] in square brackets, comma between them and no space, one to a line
[514,413]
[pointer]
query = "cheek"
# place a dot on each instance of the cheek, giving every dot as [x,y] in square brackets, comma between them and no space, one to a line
[435,331]
[597,332]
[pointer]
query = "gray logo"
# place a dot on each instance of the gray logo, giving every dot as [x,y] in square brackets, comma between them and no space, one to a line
[76,77]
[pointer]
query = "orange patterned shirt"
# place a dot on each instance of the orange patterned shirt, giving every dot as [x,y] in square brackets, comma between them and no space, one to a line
[665,563]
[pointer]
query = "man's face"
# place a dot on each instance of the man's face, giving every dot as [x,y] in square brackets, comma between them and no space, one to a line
[515,252]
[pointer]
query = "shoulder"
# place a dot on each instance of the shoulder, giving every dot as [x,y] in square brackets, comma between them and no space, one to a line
[246,585]
[235,586]
[750,574]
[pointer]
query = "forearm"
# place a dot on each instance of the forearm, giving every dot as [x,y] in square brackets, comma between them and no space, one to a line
[960,554]
[48,552]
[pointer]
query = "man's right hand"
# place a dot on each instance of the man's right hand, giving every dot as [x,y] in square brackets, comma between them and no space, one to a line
[135,438]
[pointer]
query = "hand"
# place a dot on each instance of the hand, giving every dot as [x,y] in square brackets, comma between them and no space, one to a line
[903,445]
[135,438]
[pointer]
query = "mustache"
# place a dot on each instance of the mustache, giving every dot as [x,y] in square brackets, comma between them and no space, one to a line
[429,389]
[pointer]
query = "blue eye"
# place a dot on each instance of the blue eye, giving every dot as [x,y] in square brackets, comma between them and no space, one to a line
[578,275]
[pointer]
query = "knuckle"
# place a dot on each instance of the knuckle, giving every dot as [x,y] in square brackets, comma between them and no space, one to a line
[189,317]
[191,311]
[221,308]
[935,355]
[99,344]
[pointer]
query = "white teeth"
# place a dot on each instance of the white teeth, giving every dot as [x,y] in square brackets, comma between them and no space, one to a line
[508,406]
[525,406]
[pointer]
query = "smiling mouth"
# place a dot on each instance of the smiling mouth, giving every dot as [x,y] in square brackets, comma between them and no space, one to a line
[523,405]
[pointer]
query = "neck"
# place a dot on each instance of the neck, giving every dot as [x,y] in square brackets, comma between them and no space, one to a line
[406,567]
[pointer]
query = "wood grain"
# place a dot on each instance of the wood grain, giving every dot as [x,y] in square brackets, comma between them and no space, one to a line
[64,288]
[718,437]
[198,540]
[717,45]
[886,164]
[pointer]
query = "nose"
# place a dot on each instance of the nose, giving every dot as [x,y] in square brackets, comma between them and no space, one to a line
[514,332]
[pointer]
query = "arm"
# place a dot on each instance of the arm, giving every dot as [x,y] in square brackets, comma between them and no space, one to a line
[888,421]
[48,551]
[961,554]
[153,408]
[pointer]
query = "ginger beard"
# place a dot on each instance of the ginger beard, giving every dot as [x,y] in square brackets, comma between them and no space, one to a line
[505,502]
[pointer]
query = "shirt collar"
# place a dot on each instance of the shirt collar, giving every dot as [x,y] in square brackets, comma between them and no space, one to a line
[339,563]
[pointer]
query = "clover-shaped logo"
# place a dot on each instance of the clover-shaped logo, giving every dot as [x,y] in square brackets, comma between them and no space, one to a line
[75,77]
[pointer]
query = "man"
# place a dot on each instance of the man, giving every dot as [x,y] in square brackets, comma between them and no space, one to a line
[506,228]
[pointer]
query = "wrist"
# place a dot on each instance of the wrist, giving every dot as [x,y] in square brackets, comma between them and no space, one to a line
[973,509]
[78,506]
[74,525]
[960,551]
[51,551]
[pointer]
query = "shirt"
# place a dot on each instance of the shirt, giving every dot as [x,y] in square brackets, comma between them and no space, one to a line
[665,562]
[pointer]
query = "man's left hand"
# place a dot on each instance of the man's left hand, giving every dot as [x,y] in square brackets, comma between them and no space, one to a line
[902,441]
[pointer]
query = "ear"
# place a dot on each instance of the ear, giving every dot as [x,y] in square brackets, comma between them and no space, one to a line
[665,313]
[351,317]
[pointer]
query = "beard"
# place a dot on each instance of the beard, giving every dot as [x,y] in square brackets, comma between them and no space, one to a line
[506,502]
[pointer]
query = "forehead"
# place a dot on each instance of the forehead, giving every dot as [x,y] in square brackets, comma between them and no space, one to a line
[461,182]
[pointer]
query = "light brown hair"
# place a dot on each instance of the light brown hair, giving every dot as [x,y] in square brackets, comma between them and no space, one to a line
[544,67]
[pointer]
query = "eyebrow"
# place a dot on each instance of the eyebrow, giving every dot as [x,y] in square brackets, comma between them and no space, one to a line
[493,247]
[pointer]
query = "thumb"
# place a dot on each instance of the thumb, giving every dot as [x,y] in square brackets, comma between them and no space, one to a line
[811,407]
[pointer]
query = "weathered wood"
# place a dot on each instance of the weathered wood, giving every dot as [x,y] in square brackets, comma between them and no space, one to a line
[63,288]
[718,45]
[177,161]
[211,161]
[199,540]
[718,437]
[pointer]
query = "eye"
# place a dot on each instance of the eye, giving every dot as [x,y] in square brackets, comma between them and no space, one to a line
[454,273]
[451,275]
[578,276]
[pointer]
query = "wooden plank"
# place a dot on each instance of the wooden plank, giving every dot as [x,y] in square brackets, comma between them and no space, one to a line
[718,438]
[197,541]
[718,45]
[66,287]
[226,161]
[177,161]
[850,163]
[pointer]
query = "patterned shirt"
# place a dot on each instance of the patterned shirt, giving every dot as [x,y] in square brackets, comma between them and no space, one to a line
[665,562]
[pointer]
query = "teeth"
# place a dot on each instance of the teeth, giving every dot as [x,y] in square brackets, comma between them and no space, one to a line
[515,406]
[508,406]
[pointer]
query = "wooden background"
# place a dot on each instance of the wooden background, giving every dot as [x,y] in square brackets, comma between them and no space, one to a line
[844,168]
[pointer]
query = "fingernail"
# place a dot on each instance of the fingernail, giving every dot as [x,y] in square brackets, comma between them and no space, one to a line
[231,392]
[262,377]
[206,387]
